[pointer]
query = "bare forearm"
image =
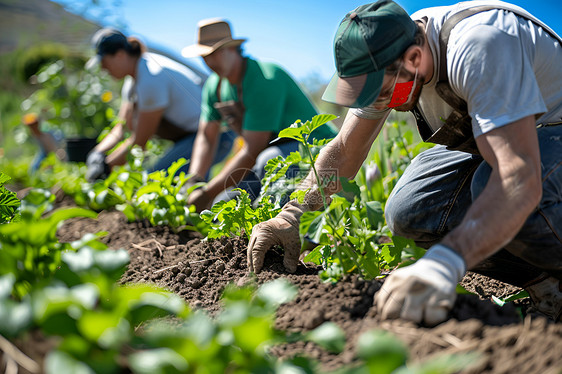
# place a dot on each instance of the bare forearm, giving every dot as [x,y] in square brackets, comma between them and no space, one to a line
[200,161]
[344,155]
[512,192]
[111,139]
[205,145]
[119,156]
[494,218]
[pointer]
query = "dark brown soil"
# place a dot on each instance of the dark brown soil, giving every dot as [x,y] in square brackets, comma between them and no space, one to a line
[198,270]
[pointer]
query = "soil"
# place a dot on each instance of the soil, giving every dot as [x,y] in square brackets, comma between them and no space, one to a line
[198,270]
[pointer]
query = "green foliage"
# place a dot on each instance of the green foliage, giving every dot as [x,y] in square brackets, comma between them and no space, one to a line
[9,202]
[32,59]
[74,100]
[329,336]
[29,249]
[356,228]
[349,230]
[159,197]
[235,341]
[237,216]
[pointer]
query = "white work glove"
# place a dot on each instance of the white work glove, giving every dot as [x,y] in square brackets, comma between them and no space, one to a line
[283,231]
[97,167]
[424,291]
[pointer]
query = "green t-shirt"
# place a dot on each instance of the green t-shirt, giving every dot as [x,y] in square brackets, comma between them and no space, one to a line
[271,98]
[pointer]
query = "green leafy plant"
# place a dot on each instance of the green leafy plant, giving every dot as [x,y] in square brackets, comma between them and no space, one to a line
[72,99]
[237,216]
[9,202]
[350,232]
[29,248]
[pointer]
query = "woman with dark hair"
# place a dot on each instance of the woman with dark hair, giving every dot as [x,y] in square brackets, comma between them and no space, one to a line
[160,97]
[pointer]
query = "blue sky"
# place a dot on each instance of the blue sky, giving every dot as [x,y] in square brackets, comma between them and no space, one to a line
[297,34]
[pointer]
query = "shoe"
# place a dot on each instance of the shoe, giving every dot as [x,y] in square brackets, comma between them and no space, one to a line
[546,297]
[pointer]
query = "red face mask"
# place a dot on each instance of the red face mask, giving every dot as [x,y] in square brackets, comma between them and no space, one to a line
[402,92]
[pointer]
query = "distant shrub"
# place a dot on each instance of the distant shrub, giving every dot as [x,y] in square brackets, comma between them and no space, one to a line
[32,59]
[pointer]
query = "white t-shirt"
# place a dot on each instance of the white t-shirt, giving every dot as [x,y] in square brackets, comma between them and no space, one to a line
[164,83]
[504,66]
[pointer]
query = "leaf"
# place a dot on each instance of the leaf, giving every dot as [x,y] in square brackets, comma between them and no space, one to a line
[103,327]
[14,317]
[58,362]
[316,229]
[4,178]
[152,305]
[375,213]
[350,186]
[321,119]
[315,256]
[277,292]
[111,260]
[520,295]
[6,284]
[295,131]
[79,261]
[382,352]
[460,290]
[158,361]
[369,263]
[329,336]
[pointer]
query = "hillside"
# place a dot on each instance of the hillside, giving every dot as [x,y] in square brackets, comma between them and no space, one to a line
[27,22]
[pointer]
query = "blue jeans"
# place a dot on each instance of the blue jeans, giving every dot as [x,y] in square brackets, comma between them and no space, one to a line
[436,190]
[252,181]
[184,147]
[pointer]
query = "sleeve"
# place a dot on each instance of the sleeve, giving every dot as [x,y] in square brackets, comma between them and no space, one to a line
[153,92]
[128,89]
[264,100]
[208,98]
[493,72]
[369,112]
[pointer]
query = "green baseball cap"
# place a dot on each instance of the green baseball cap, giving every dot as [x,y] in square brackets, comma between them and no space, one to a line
[368,39]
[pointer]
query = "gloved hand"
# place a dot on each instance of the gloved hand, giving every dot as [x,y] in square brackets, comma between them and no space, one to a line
[282,230]
[97,167]
[423,291]
[200,198]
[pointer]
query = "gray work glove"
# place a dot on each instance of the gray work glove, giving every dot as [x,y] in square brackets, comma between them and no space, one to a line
[97,167]
[283,231]
[424,291]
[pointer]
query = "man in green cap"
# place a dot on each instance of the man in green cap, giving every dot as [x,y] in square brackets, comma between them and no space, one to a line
[484,81]
[254,99]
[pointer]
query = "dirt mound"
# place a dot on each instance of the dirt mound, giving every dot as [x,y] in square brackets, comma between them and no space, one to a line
[199,270]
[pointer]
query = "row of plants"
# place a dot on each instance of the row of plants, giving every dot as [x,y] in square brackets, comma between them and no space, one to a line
[69,292]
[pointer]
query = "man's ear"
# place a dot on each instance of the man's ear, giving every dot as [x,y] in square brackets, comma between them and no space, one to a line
[413,57]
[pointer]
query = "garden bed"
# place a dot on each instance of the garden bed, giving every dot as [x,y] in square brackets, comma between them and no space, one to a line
[199,270]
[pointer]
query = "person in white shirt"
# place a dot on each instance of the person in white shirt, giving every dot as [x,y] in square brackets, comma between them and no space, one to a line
[160,97]
[484,80]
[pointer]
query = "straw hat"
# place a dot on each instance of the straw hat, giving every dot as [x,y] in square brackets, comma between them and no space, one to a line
[212,34]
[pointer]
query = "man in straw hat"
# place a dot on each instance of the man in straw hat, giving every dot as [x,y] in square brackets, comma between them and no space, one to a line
[489,198]
[256,99]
